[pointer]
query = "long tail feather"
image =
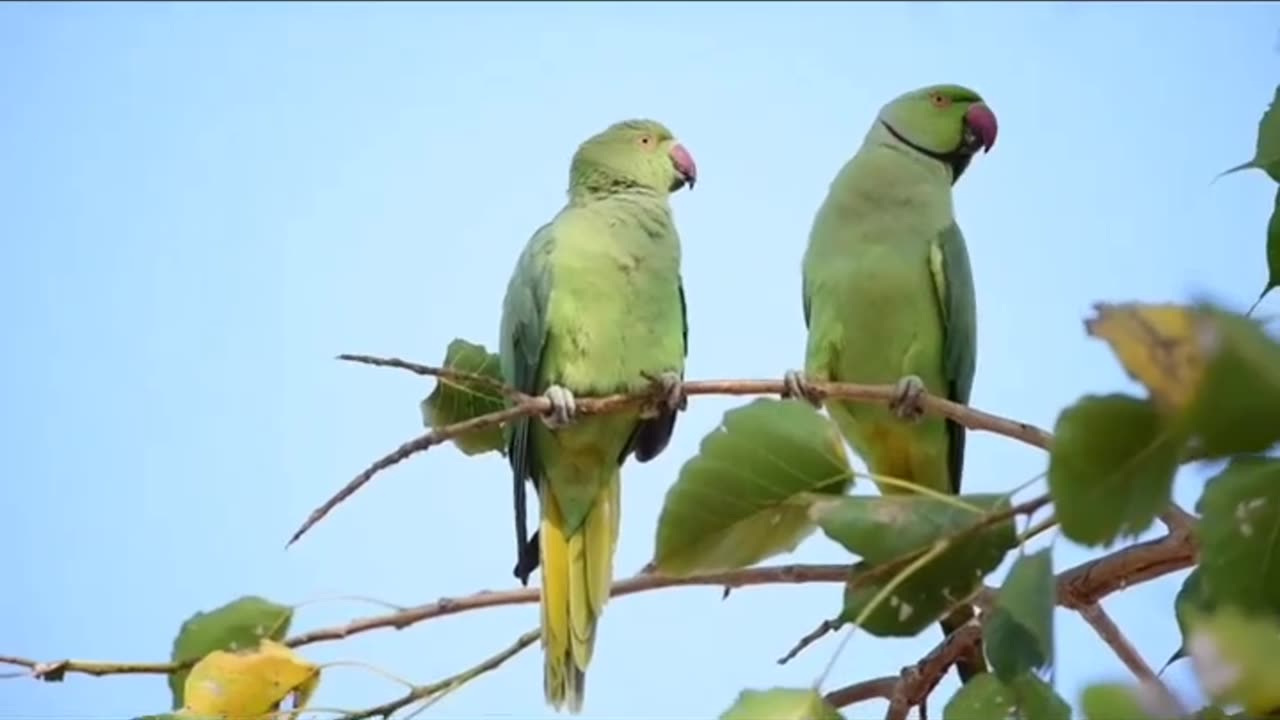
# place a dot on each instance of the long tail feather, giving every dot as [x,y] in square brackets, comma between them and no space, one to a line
[577,572]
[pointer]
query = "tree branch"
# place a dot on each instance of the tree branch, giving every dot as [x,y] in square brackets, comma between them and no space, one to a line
[1113,636]
[424,692]
[1087,582]
[526,405]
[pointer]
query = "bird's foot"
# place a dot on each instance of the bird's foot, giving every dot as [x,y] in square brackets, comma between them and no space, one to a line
[908,396]
[563,407]
[796,385]
[669,387]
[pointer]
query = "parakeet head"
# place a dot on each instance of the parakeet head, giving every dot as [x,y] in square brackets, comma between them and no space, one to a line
[947,122]
[632,153]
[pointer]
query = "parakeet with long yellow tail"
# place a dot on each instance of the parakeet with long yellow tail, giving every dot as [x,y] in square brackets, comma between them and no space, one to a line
[595,306]
[888,292]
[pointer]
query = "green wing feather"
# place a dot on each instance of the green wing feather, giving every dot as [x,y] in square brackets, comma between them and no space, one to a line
[953,284]
[524,335]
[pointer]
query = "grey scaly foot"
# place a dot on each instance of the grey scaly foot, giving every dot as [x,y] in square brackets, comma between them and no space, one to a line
[563,407]
[797,386]
[672,392]
[907,399]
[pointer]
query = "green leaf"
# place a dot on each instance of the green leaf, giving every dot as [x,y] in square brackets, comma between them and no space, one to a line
[1019,632]
[1235,659]
[781,704]
[1026,698]
[1191,598]
[1037,699]
[889,529]
[453,401]
[1266,155]
[1240,537]
[1111,468]
[982,698]
[1114,701]
[1273,252]
[239,625]
[1237,409]
[741,498]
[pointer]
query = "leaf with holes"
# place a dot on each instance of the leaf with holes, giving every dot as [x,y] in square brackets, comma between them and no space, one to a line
[1240,537]
[453,401]
[1111,468]
[1018,633]
[781,704]
[251,683]
[1266,154]
[1234,657]
[239,625]
[742,498]
[886,531]
[1026,698]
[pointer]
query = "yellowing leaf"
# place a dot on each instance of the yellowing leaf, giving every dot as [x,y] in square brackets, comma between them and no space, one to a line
[250,684]
[1214,375]
[1161,346]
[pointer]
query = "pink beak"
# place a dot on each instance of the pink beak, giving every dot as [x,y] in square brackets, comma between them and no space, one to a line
[684,163]
[983,122]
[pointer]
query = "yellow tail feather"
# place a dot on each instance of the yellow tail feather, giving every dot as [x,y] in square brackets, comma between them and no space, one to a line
[577,573]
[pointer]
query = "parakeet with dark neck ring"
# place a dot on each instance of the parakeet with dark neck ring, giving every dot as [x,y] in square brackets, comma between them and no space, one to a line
[888,292]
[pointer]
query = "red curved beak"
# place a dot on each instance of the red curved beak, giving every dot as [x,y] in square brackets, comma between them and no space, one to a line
[684,163]
[983,122]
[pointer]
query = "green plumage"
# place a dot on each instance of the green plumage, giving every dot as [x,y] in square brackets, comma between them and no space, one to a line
[888,292]
[594,304]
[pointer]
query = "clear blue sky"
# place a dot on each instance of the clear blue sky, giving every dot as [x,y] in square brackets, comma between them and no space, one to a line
[200,205]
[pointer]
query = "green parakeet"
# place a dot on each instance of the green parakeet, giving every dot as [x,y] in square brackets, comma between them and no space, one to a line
[595,306]
[888,293]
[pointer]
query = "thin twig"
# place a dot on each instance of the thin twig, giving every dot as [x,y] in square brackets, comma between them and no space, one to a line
[1113,636]
[444,373]
[424,692]
[825,628]
[528,406]
[747,577]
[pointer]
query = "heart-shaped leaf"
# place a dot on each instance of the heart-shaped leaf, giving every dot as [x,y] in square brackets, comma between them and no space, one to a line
[741,498]
[1111,468]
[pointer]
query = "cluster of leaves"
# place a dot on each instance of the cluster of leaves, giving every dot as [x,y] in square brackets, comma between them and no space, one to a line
[231,664]
[776,471]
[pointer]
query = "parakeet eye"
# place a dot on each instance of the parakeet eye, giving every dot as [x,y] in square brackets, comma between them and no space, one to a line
[939,100]
[646,140]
